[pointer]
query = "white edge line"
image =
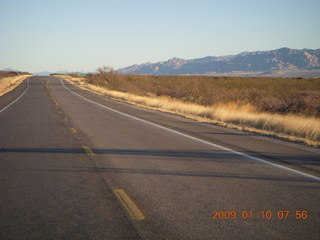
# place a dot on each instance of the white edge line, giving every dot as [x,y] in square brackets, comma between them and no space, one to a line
[16,98]
[200,140]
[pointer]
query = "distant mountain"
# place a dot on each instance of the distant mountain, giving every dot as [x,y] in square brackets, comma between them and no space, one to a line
[43,73]
[10,70]
[274,62]
[46,73]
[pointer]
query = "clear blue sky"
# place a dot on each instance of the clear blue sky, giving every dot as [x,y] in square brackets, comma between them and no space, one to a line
[78,35]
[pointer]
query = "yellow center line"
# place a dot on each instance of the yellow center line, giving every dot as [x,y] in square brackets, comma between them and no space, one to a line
[73,130]
[88,150]
[129,204]
[55,103]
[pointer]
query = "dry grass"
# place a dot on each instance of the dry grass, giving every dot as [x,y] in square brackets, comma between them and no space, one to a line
[236,115]
[273,95]
[7,84]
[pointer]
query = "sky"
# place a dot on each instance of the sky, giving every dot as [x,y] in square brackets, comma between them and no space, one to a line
[82,35]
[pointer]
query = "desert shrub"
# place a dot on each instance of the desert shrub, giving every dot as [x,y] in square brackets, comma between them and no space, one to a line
[273,95]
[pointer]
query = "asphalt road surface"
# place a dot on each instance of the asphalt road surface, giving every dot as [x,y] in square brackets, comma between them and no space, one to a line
[74,165]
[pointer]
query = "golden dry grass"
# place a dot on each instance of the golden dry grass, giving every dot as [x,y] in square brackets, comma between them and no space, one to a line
[274,95]
[9,83]
[243,117]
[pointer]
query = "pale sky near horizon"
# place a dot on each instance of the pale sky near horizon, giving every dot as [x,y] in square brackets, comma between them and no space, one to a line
[81,35]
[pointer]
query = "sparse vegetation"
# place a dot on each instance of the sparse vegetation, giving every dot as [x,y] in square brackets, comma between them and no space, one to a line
[10,80]
[285,107]
[274,95]
[5,74]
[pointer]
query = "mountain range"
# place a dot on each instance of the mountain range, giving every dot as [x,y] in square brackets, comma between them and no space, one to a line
[283,61]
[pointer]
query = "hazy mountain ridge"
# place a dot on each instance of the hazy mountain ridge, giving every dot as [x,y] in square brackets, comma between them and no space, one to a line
[273,61]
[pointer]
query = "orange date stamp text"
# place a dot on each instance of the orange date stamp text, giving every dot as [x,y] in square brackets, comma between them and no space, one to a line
[263,214]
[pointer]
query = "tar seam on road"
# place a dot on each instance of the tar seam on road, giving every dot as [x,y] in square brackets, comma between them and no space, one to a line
[315,178]
[128,204]
[16,98]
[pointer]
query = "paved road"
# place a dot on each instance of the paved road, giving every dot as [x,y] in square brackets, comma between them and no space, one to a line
[64,150]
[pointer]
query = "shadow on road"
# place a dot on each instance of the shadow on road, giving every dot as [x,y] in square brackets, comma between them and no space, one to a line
[171,155]
[189,155]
